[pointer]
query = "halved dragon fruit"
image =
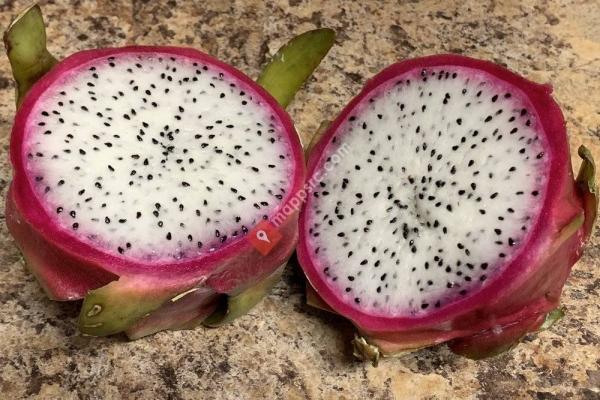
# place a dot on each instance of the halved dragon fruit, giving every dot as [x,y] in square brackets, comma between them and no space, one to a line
[140,171]
[444,208]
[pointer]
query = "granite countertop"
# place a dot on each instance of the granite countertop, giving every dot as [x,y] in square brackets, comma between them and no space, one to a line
[283,349]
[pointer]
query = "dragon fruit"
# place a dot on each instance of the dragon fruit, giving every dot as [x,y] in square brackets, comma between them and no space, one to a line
[442,208]
[140,172]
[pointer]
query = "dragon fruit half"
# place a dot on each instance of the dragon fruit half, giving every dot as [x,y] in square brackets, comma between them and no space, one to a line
[443,208]
[139,171]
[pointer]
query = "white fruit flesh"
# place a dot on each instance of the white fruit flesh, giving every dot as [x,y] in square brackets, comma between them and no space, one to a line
[155,156]
[442,177]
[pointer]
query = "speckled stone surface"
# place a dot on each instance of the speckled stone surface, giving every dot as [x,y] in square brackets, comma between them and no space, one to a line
[282,349]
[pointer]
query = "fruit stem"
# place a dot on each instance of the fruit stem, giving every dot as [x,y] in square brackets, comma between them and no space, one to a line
[291,66]
[25,42]
[365,351]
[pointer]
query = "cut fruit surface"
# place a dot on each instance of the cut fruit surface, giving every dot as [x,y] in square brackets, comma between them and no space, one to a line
[445,174]
[154,156]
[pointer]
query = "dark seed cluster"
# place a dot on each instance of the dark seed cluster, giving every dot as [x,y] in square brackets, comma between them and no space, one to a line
[156,156]
[441,185]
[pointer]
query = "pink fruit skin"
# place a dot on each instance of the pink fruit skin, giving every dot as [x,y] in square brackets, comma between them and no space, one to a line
[62,274]
[68,269]
[514,302]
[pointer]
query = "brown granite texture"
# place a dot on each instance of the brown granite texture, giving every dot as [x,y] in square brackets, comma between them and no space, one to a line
[282,349]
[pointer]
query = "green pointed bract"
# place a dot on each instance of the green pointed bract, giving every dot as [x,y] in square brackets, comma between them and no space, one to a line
[117,306]
[237,305]
[25,42]
[294,63]
[316,137]
[586,182]
[552,317]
